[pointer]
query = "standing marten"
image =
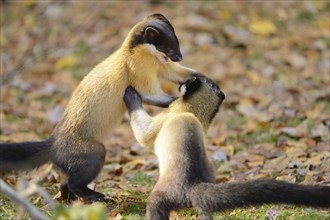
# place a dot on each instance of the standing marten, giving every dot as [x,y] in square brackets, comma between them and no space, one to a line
[150,52]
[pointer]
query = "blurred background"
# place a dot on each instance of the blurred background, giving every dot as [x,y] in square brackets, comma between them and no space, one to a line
[271,59]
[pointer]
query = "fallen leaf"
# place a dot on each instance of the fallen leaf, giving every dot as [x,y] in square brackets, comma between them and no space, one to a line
[218,134]
[29,20]
[251,111]
[273,213]
[308,179]
[113,214]
[54,115]
[219,155]
[254,76]
[66,62]
[295,152]
[262,27]
[292,132]
[257,163]
[319,131]
[316,111]
[317,158]
[277,164]
[203,39]
[251,126]
[297,61]
[21,137]
[287,178]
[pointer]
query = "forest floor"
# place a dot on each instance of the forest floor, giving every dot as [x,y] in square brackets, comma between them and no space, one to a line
[272,60]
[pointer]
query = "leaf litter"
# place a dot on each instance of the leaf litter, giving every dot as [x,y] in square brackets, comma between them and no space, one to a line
[271,60]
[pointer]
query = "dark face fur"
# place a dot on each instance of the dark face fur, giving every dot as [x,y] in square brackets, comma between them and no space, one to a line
[159,32]
[206,92]
[194,84]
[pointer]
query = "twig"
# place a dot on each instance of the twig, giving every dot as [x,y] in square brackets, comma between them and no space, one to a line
[27,189]
[6,190]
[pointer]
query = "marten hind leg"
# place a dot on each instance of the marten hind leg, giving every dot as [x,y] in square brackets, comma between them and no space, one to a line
[66,194]
[85,164]
[159,206]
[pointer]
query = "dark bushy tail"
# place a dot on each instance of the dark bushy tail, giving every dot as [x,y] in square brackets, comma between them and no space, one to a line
[24,156]
[217,197]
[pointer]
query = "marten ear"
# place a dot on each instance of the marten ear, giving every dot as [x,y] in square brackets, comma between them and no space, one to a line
[192,86]
[151,35]
[222,96]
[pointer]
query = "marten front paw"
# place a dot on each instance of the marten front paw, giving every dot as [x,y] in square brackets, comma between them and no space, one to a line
[132,99]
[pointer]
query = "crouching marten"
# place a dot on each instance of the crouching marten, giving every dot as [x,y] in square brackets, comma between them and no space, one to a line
[186,176]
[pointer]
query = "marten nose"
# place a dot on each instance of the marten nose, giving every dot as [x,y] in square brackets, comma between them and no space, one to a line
[175,56]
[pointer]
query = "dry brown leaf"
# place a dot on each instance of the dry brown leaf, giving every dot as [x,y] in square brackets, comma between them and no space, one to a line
[247,108]
[293,132]
[297,60]
[118,217]
[277,164]
[320,131]
[308,179]
[316,111]
[21,137]
[291,179]
[256,163]
[251,126]
[113,214]
[254,76]
[295,152]
[317,158]
[218,134]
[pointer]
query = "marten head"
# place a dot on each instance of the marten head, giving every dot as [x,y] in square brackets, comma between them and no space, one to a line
[203,96]
[157,34]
